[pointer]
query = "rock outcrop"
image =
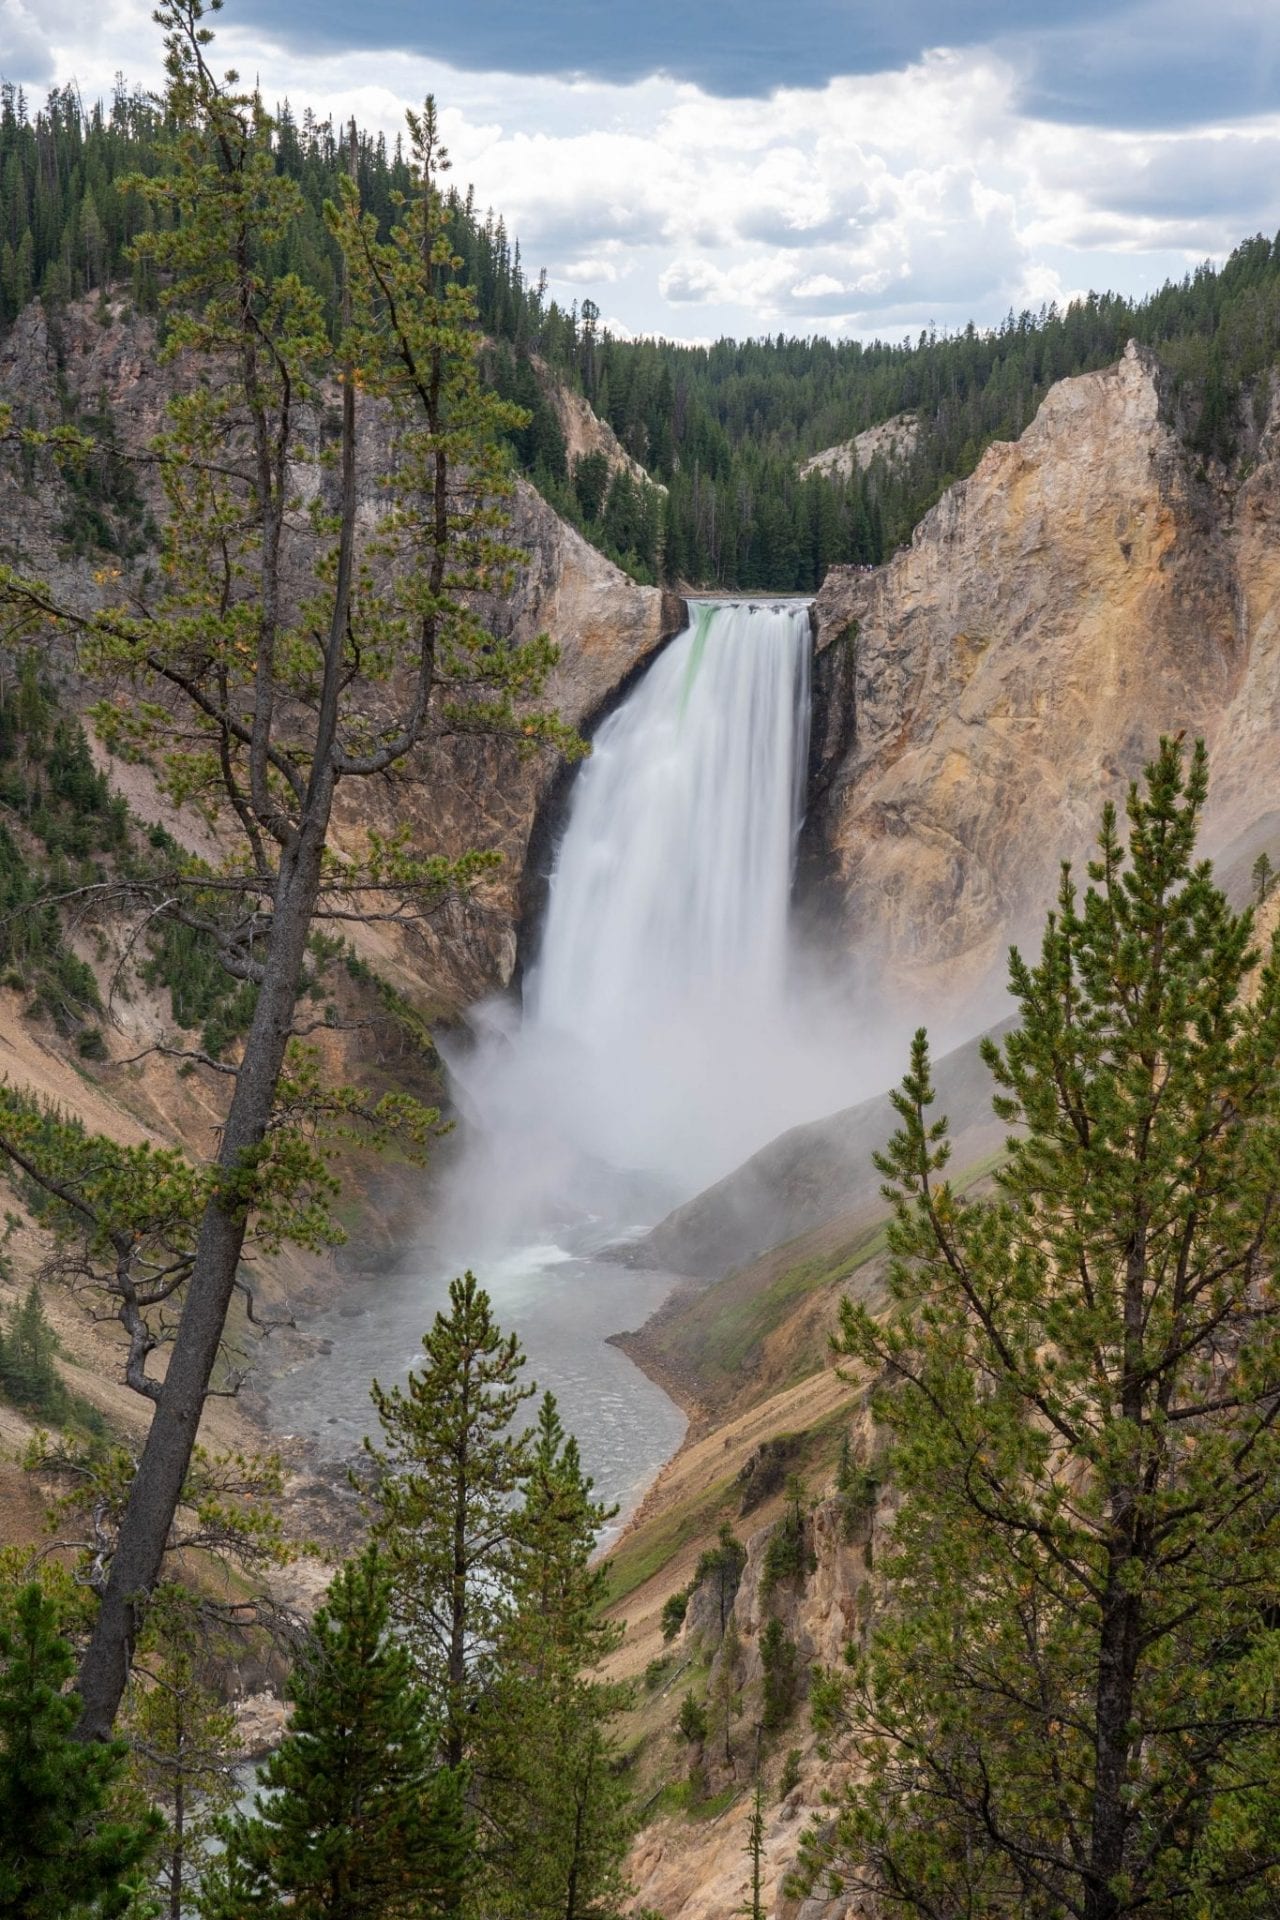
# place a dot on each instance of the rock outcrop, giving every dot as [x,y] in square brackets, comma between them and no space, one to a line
[1089,588]
[474,792]
[585,432]
[703,1873]
[890,440]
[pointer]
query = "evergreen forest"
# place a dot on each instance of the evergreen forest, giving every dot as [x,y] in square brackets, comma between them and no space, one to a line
[722,430]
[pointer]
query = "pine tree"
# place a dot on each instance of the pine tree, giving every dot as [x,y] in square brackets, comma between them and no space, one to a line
[591,482]
[781,1666]
[620,512]
[724,1698]
[754,1908]
[182,1747]
[674,1609]
[722,1566]
[272,657]
[443,1513]
[357,1821]
[858,1489]
[1071,1705]
[28,1375]
[64,1855]
[691,1721]
[789,1555]
[553,1800]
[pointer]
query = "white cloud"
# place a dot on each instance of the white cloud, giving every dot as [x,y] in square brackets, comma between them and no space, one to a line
[24,46]
[815,286]
[53,42]
[598,269]
[686,282]
[871,203]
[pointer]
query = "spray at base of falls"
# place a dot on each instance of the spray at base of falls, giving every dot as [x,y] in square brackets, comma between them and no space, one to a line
[662,1040]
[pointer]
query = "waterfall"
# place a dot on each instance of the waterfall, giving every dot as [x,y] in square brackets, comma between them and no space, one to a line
[653,1050]
[661,1040]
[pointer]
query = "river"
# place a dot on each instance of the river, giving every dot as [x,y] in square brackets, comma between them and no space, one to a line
[563,1306]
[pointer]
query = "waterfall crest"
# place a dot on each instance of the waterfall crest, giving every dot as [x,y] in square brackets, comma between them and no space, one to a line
[652,1052]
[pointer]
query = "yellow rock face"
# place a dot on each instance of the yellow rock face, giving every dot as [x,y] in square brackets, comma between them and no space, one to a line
[1086,590]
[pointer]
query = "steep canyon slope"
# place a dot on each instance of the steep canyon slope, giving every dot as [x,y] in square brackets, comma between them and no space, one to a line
[976,701]
[1090,587]
[98,365]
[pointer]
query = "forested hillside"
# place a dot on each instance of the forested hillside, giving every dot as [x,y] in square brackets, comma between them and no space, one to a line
[721,428]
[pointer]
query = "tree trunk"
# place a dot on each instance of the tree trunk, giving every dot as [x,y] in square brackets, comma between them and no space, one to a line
[157,1485]
[1119,1632]
[1117,1667]
[571,1894]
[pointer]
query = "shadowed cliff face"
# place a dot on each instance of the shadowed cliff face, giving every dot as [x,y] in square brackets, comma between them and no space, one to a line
[464,791]
[1086,590]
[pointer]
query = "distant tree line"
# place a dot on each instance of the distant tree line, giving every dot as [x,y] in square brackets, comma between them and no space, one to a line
[724,428]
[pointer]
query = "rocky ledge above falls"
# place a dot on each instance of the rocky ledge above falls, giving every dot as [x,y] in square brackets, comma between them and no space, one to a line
[978,698]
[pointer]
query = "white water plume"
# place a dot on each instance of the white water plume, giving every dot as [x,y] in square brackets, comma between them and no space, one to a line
[660,1041]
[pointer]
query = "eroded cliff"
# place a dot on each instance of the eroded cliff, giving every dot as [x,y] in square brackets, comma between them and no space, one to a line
[1090,587]
[97,365]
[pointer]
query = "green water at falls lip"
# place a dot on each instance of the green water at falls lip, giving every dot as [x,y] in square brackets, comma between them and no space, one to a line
[702,620]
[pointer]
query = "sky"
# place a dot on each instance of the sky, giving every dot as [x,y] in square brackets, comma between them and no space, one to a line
[709,167]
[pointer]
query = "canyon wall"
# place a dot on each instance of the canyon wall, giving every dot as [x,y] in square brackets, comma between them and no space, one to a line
[585,432]
[1089,588]
[101,359]
[467,791]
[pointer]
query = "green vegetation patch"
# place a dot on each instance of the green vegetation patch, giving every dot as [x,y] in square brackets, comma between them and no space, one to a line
[679,1796]
[53,799]
[721,1334]
[648,1549]
[29,1377]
